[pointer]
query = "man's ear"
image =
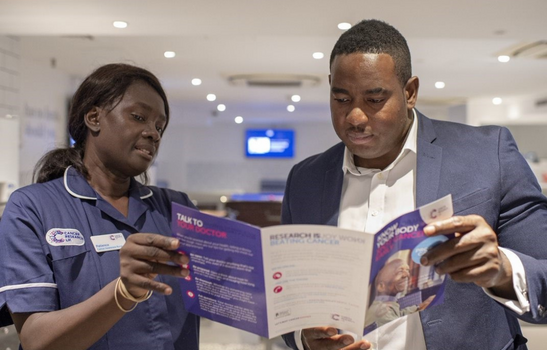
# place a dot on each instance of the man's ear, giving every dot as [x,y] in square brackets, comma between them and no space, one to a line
[92,119]
[411,92]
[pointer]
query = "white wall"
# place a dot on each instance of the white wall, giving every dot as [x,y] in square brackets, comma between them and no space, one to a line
[526,120]
[433,111]
[9,122]
[37,94]
[9,157]
[43,110]
[454,113]
[9,75]
[212,158]
[513,110]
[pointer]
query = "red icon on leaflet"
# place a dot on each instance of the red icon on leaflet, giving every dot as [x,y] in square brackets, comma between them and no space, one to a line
[277,275]
[190,294]
[278,289]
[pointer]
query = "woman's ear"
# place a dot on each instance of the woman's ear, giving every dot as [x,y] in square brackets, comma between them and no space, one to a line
[92,119]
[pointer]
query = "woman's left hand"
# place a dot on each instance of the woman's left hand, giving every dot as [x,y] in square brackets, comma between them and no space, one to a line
[144,256]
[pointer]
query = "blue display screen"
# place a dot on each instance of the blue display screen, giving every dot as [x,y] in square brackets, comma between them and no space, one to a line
[269,143]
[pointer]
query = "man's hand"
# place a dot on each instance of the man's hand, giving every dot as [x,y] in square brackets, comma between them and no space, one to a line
[327,338]
[472,256]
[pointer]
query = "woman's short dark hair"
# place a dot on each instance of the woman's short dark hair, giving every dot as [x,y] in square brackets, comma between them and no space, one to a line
[104,88]
[373,36]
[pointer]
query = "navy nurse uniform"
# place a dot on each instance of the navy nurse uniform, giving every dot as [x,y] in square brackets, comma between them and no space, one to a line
[40,272]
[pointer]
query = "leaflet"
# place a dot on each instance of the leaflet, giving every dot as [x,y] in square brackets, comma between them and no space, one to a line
[274,280]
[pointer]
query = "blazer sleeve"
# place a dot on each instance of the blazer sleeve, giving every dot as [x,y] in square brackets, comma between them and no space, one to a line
[287,219]
[522,225]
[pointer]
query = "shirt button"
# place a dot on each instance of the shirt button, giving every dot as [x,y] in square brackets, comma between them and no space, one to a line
[380,176]
[374,213]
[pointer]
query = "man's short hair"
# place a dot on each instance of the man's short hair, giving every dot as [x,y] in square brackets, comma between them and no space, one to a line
[374,36]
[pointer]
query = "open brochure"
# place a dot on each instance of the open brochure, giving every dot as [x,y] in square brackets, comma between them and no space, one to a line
[274,280]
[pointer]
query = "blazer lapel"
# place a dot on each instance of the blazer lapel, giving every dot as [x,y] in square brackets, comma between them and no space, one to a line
[332,191]
[428,175]
[428,168]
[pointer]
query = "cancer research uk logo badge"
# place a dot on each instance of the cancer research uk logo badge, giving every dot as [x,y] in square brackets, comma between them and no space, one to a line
[64,236]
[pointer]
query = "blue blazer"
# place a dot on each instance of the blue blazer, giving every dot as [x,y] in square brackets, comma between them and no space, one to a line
[485,173]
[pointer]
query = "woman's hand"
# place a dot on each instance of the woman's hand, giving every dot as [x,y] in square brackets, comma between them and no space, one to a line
[144,256]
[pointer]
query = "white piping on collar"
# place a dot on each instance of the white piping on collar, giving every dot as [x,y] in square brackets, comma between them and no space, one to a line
[72,192]
[150,194]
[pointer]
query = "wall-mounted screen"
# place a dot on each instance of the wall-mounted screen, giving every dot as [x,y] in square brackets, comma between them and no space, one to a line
[269,143]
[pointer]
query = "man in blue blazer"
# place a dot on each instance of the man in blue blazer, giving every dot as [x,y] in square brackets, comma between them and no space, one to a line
[393,159]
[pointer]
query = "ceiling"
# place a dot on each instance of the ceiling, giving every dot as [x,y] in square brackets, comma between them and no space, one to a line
[456,42]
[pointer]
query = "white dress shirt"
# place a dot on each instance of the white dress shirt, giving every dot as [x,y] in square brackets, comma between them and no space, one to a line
[370,199]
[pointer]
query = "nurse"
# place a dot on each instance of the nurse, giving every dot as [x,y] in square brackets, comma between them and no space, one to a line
[86,257]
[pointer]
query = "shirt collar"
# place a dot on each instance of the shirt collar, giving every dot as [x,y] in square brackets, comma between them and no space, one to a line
[77,186]
[348,164]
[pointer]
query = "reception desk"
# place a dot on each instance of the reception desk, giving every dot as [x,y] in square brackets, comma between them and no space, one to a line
[258,213]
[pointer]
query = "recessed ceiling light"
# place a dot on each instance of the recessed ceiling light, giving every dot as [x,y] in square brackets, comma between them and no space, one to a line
[238,119]
[344,26]
[223,199]
[290,108]
[318,55]
[196,81]
[221,107]
[295,98]
[169,54]
[440,85]
[119,24]
[504,58]
[211,97]
[497,100]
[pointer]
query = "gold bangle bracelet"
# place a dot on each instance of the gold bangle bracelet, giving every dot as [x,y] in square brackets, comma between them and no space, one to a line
[125,293]
[118,281]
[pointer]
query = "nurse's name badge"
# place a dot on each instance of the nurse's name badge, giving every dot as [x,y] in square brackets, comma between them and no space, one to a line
[108,242]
